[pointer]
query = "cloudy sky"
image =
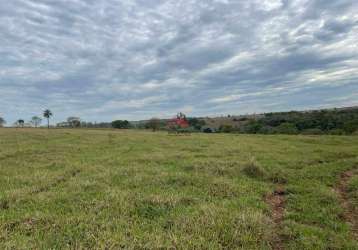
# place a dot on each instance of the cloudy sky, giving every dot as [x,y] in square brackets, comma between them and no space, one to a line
[134,59]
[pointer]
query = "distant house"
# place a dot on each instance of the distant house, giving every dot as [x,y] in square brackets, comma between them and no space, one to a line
[63,125]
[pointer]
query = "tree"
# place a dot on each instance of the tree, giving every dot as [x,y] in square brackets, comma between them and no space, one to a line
[196,123]
[226,128]
[287,128]
[351,126]
[36,121]
[2,122]
[121,124]
[153,124]
[47,114]
[20,123]
[74,122]
[253,127]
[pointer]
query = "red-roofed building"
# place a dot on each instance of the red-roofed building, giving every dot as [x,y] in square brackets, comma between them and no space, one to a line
[180,122]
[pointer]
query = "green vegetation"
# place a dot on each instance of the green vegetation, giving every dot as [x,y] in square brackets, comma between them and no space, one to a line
[121,124]
[335,122]
[48,114]
[134,189]
[353,193]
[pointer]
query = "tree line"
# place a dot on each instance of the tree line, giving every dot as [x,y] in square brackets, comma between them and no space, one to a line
[334,121]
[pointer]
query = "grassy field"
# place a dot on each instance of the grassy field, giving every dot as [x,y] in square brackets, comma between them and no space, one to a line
[81,189]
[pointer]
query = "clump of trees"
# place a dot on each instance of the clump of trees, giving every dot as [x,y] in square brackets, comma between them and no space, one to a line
[196,123]
[77,122]
[119,124]
[333,122]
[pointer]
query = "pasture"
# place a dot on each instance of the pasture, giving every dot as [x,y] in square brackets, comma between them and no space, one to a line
[108,189]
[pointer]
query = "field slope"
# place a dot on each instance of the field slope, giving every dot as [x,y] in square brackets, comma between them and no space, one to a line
[97,189]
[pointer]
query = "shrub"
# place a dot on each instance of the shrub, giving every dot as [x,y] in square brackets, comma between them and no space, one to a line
[350,127]
[207,130]
[253,127]
[196,123]
[121,124]
[266,130]
[226,129]
[287,128]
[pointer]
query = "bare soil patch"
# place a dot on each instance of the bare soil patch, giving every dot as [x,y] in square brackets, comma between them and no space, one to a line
[349,215]
[277,202]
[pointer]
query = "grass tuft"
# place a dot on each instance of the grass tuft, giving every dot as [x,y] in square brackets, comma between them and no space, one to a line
[254,170]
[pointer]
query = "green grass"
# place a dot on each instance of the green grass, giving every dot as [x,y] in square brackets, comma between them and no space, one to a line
[63,189]
[353,192]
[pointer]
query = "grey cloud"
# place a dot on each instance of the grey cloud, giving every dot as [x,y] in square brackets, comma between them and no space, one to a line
[136,59]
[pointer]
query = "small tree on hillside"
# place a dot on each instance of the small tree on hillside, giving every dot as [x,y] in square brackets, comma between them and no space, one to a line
[154,124]
[48,114]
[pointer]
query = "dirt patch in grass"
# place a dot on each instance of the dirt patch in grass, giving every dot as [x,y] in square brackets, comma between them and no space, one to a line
[276,200]
[349,214]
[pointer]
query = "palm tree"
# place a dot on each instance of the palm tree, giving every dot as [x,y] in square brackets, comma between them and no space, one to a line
[47,115]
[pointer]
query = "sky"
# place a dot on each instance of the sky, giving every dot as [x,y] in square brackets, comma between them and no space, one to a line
[103,60]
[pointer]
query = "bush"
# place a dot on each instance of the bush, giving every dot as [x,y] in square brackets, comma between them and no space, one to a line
[196,123]
[121,124]
[266,130]
[207,130]
[226,129]
[287,128]
[253,127]
[350,127]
